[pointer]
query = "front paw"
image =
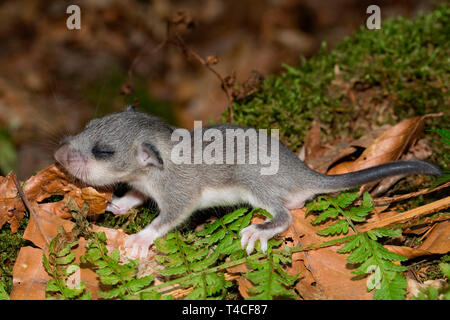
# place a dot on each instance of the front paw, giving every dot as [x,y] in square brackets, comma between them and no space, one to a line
[251,234]
[117,209]
[121,205]
[137,245]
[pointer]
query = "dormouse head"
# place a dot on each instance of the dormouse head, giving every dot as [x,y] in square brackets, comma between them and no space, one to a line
[116,148]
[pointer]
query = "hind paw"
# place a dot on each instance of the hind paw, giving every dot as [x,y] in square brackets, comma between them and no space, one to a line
[251,234]
[137,245]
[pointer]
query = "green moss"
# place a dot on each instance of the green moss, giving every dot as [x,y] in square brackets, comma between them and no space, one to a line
[10,244]
[132,223]
[399,71]
[430,270]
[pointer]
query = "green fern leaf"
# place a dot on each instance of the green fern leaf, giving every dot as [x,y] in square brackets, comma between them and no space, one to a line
[66,250]
[113,293]
[52,286]
[151,295]
[329,213]
[336,228]
[384,232]
[318,204]
[392,287]
[234,215]
[210,228]
[343,200]
[104,272]
[174,271]
[350,245]
[213,238]
[205,263]
[445,268]
[268,277]
[66,259]
[140,283]
[241,223]
[3,294]
[358,214]
[367,200]
[109,280]
[167,245]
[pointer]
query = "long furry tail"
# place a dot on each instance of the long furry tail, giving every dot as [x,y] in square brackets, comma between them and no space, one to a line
[338,182]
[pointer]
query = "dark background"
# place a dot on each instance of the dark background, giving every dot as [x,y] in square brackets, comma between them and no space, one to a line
[52,80]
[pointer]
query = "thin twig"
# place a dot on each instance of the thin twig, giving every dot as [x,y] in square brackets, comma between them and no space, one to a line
[174,38]
[30,208]
[141,52]
[405,216]
[388,200]
[179,42]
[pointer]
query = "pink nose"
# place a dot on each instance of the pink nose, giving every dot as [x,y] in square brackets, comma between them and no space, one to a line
[61,154]
[66,155]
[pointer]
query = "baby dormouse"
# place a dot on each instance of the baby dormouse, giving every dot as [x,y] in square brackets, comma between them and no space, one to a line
[135,148]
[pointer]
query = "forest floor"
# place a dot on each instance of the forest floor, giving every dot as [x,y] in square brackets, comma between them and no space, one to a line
[378,96]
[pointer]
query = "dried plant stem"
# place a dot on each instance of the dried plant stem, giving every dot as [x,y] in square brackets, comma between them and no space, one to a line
[179,42]
[30,208]
[388,200]
[174,38]
[408,215]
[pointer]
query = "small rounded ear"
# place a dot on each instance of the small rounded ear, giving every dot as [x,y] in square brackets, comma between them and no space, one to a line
[147,155]
[131,108]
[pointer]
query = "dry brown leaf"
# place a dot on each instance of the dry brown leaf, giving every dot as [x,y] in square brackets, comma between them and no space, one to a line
[42,231]
[29,275]
[419,151]
[243,286]
[300,265]
[333,280]
[438,240]
[49,223]
[408,252]
[30,278]
[48,182]
[11,206]
[401,197]
[48,229]
[313,148]
[53,181]
[389,146]
[332,154]
[240,268]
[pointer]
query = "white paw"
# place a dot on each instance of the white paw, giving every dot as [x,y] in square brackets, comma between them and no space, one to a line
[251,234]
[123,204]
[116,209]
[137,245]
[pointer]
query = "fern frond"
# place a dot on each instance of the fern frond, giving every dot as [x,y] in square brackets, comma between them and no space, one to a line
[341,226]
[268,277]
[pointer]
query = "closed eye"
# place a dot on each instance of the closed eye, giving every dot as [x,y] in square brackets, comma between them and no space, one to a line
[102,151]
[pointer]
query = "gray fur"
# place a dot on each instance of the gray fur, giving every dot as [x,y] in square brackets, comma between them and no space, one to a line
[177,188]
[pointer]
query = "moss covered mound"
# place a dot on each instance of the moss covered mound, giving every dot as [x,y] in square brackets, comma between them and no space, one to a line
[371,78]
